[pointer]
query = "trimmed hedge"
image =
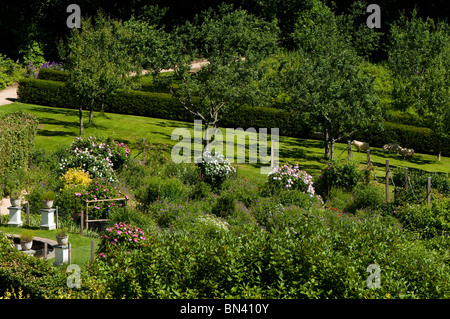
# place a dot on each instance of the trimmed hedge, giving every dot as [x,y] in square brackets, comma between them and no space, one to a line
[421,139]
[52,75]
[17,132]
[164,105]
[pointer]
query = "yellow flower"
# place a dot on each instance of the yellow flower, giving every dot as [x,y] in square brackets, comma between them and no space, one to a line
[74,178]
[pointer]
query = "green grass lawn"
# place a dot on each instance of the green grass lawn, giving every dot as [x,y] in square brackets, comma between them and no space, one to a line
[80,245]
[58,127]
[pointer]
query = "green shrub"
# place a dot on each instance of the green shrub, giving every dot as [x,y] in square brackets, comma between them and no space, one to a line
[225,205]
[17,133]
[345,175]
[368,196]
[158,189]
[419,180]
[429,220]
[10,72]
[52,75]
[244,190]
[201,190]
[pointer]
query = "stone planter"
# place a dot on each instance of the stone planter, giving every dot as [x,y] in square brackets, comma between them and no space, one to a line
[26,245]
[47,204]
[62,241]
[15,202]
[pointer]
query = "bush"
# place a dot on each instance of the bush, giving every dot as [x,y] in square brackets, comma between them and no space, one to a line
[159,189]
[17,133]
[225,205]
[368,196]
[419,180]
[216,169]
[100,157]
[10,72]
[429,220]
[345,175]
[290,177]
[52,75]
[121,236]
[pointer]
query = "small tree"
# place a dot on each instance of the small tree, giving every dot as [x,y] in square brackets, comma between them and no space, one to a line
[419,57]
[233,42]
[99,62]
[327,85]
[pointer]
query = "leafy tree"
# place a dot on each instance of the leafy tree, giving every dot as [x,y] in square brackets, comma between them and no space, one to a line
[328,86]
[99,62]
[233,42]
[419,57]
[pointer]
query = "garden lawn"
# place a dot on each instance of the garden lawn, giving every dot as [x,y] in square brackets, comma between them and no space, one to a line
[81,246]
[58,128]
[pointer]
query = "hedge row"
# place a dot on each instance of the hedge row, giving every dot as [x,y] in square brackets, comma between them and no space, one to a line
[160,105]
[52,75]
[163,105]
[421,139]
[17,133]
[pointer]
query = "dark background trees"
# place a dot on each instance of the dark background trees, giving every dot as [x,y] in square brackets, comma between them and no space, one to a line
[44,21]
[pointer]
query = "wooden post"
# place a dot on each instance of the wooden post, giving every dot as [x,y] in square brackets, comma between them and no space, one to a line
[28,213]
[387,181]
[272,151]
[143,151]
[70,252]
[56,217]
[92,250]
[87,215]
[349,149]
[82,223]
[406,179]
[368,156]
[429,190]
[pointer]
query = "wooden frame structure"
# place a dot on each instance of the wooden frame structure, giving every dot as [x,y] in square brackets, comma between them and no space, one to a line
[84,222]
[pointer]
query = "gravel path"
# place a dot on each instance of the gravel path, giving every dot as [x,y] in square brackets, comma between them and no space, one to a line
[8,95]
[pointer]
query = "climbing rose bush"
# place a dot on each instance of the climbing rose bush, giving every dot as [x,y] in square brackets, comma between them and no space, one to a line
[291,177]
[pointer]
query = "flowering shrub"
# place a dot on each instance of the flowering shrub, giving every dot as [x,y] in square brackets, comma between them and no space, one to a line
[76,179]
[97,156]
[291,177]
[216,169]
[101,189]
[121,236]
[33,69]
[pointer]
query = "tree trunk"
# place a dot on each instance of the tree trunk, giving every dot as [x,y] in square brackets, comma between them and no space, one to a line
[103,105]
[332,147]
[91,112]
[439,150]
[327,149]
[80,114]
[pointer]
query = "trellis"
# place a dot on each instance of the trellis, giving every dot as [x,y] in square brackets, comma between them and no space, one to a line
[84,222]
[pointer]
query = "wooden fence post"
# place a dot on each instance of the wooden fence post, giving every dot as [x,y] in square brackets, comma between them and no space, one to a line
[406,179]
[92,250]
[387,181]
[429,190]
[70,253]
[82,223]
[368,156]
[28,213]
[349,149]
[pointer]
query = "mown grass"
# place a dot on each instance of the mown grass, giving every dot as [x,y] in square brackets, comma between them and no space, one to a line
[80,245]
[58,127]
